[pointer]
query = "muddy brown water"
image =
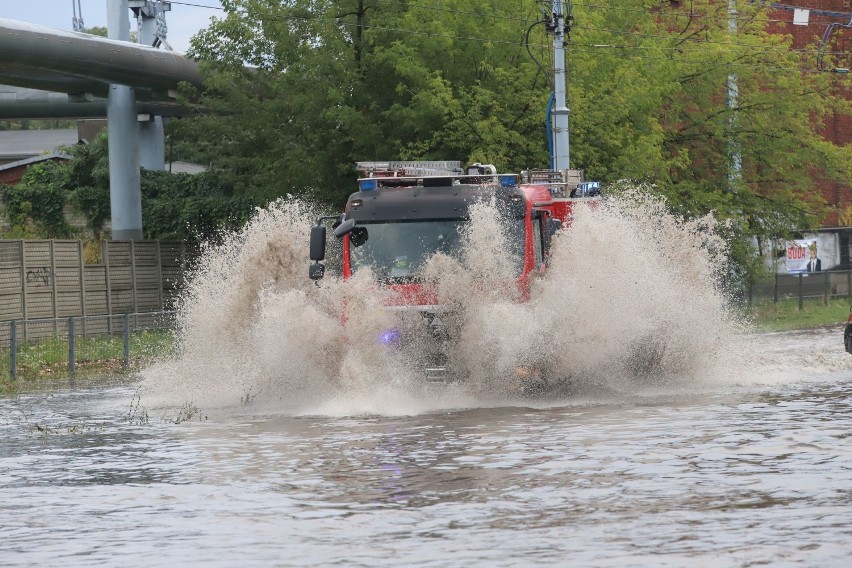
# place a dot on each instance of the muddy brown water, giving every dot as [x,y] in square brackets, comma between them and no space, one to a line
[754,471]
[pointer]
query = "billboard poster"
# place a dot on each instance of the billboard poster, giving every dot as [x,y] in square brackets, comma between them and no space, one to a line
[802,256]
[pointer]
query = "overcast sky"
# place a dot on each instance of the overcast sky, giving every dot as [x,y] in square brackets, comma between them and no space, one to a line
[185,19]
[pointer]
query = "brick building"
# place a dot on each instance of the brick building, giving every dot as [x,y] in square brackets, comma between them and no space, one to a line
[807,21]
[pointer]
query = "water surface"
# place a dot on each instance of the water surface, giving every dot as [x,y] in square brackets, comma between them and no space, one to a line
[735,474]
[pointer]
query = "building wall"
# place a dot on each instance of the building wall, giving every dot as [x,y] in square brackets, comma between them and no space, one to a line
[836,128]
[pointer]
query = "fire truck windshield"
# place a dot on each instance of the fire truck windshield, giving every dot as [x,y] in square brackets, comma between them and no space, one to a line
[397,250]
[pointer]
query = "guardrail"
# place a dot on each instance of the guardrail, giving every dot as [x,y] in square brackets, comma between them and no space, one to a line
[68,346]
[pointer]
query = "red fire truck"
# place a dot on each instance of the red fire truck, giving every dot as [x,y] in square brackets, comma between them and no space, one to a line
[404,212]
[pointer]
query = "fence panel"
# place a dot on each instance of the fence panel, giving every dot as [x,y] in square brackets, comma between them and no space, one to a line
[48,279]
[96,289]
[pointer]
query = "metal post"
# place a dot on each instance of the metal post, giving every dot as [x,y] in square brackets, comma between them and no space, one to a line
[126,340]
[152,146]
[53,293]
[775,290]
[560,110]
[133,290]
[24,302]
[801,301]
[105,259]
[826,288]
[82,283]
[123,130]
[13,350]
[159,255]
[71,346]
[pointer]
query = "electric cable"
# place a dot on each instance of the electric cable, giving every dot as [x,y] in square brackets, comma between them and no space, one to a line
[681,49]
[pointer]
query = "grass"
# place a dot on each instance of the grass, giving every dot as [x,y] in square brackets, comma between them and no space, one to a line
[785,314]
[48,358]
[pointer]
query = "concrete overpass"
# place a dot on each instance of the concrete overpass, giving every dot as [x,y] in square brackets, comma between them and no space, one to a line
[70,74]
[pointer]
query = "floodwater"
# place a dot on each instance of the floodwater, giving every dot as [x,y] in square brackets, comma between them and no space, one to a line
[751,471]
[274,436]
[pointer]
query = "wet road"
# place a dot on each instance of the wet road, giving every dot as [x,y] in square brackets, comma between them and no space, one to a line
[737,474]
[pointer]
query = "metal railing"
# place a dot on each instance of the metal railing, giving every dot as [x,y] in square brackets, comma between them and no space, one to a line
[826,284]
[92,344]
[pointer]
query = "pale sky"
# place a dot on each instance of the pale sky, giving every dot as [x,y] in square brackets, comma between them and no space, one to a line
[184,20]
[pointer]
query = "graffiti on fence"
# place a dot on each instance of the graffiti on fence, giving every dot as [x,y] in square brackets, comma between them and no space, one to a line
[39,276]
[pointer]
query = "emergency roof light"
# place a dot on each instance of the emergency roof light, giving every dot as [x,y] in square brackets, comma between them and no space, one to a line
[368,184]
[509,180]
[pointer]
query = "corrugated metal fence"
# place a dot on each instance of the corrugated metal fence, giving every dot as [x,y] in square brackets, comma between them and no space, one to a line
[49,279]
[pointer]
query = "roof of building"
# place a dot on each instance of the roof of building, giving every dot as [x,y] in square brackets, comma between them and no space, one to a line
[23,144]
[34,160]
[185,168]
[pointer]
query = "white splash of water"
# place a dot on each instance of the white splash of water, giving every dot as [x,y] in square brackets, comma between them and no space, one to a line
[630,299]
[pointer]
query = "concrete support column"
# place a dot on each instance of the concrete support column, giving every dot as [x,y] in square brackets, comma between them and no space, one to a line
[124,189]
[152,146]
[152,143]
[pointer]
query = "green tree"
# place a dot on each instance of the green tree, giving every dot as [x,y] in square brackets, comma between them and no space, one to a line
[88,182]
[298,91]
[174,206]
[649,90]
[333,82]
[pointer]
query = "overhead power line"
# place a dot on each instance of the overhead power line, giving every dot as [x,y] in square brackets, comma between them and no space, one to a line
[691,45]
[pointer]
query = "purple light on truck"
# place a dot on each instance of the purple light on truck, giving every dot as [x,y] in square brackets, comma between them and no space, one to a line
[389,336]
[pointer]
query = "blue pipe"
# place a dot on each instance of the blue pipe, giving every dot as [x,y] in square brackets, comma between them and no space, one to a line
[549,127]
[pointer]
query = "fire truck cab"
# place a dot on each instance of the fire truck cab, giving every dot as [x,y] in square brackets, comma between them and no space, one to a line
[404,212]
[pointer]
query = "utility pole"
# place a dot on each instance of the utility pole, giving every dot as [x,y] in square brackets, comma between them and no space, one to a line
[732,96]
[560,110]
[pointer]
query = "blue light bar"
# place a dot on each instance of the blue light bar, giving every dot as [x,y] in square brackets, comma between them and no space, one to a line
[367,184]
[508,180]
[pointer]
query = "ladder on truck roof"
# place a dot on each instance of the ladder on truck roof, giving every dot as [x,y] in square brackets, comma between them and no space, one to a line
[410,168]
[559,182]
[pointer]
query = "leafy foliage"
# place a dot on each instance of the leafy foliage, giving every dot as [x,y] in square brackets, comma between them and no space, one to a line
[334,82]
[174,206]
[297,91]
[302,89]
[183,206]
[35,206]
[88,182]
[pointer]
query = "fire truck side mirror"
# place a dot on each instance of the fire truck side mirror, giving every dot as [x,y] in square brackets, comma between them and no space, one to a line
[317,243]
[344,228]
